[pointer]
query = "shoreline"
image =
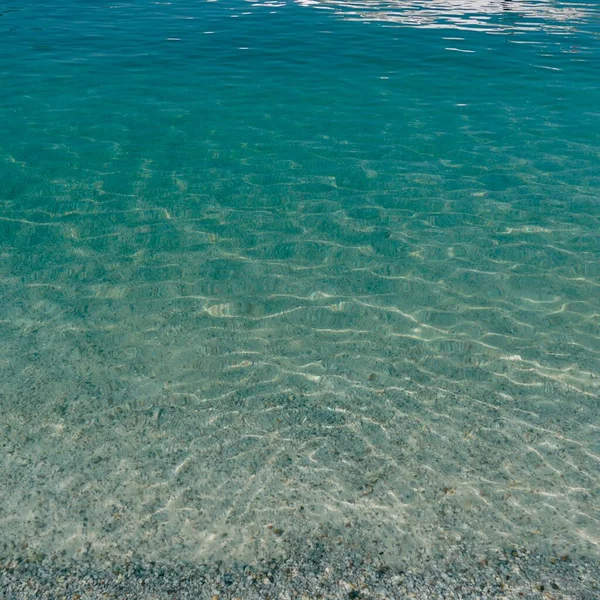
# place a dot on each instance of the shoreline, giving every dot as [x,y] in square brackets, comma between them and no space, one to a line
[314,571]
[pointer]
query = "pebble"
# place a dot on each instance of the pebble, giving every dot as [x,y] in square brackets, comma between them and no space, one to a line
[310,571]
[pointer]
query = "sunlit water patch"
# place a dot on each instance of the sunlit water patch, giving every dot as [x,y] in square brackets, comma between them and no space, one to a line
[491,16]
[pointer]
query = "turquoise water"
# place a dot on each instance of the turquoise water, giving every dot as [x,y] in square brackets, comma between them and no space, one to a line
[278,271]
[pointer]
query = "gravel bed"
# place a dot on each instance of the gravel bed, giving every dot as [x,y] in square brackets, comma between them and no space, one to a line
[314,572]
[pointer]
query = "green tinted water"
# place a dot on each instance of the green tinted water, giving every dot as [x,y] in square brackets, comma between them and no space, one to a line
[323,269]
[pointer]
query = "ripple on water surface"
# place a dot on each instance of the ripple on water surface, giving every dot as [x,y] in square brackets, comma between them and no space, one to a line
[268,274]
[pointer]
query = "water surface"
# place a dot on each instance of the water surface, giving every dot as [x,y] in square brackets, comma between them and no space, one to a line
[278,271]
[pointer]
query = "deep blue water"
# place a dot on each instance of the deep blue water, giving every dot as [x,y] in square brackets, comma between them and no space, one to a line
[308,264]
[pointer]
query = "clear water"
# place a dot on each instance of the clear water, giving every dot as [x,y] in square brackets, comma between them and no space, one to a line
[274,271]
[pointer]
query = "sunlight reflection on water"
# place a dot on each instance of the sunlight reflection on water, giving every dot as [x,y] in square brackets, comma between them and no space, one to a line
[491,16]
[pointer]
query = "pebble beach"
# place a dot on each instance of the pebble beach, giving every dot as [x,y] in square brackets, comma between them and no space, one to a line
[314,573]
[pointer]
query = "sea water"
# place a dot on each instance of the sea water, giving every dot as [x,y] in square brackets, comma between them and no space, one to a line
[278,271]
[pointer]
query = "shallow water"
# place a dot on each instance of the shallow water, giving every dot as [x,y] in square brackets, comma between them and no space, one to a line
[278,271]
